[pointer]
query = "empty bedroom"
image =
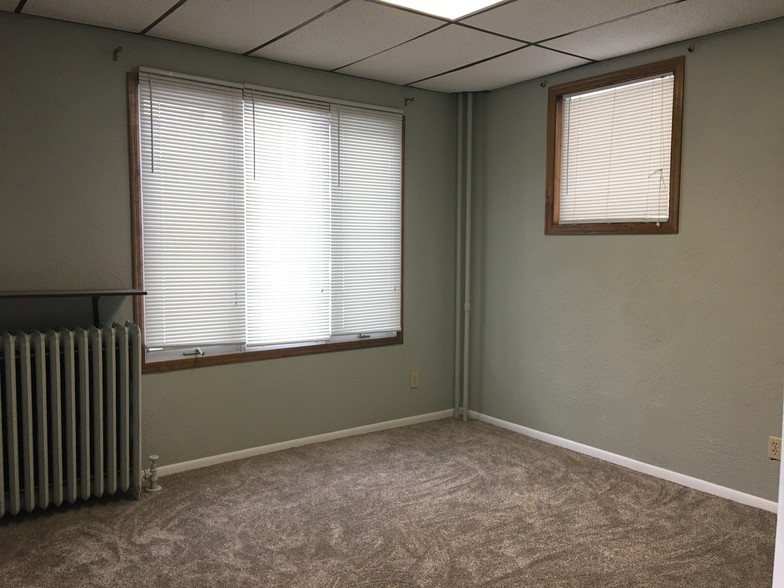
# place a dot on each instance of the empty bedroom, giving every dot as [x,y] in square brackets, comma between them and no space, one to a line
[331,293]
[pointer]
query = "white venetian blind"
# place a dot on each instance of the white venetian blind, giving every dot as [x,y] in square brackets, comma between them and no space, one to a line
[615,153]
[267,219]
[366,221]
[288,176]
[192,212]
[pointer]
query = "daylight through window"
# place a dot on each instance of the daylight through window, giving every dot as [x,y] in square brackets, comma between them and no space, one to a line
[614,152]
[268,221]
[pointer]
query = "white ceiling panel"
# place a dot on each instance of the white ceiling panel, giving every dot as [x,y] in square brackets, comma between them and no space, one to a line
[375,40]
[666,25]
[125,16]
[371,27]
[526,64]
[236,25]
[535,20]
[437,52]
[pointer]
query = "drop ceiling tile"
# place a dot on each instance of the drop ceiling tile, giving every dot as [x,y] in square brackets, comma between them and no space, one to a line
[370,27]
[437,52]
[8,5]
[526,64]
[236,25]
[669,24]
[535,20]
[125,16]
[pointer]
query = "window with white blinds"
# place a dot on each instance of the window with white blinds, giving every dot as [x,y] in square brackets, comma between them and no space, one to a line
[615,151]
[268,220]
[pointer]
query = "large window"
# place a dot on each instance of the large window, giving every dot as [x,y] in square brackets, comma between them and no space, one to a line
[268,224]
[613,152]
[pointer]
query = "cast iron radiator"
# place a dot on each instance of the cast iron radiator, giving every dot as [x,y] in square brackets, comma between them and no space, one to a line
[70,416]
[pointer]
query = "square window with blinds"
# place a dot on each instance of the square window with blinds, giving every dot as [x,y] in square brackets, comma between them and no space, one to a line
[269,223]
[613,159]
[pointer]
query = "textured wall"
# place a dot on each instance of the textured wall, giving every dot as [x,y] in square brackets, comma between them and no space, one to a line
[65,223]
[667,349]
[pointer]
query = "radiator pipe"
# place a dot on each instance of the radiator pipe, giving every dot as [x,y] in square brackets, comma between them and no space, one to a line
[467,246]
[151,476]
[458,249]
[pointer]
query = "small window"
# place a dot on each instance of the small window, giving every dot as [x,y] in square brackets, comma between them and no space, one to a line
[613,152]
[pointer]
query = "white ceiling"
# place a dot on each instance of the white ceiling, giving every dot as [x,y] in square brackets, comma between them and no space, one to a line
[510,42]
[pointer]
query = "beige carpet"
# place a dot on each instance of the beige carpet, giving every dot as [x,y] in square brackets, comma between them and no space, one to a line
[437,504]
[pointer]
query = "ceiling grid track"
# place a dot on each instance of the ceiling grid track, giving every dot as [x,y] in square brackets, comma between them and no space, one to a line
[298,27]
[466,66]
[161,17]
[337,69]
[606,22]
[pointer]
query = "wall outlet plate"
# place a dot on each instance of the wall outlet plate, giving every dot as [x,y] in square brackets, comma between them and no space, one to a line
[774,448]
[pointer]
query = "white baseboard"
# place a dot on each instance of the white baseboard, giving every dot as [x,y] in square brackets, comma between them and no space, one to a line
[633,464]
[253,451]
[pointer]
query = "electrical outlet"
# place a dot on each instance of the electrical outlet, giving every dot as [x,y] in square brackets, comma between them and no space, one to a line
[774,448]
[413,380]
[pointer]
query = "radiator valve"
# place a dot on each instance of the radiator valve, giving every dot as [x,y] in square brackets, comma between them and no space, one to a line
[151,476]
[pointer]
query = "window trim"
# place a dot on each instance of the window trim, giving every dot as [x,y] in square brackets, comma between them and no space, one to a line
[164,365]
[554,138]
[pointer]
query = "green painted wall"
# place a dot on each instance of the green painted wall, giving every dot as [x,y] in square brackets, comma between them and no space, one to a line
[65,223]
[665,349]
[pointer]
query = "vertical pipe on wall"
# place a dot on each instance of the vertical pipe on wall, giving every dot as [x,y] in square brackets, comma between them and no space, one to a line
[467,245]
[458,250]
[778,557]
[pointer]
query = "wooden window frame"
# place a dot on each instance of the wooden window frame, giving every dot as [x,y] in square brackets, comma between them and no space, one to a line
[554,138]
[165,365]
